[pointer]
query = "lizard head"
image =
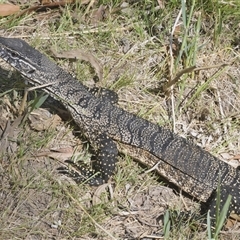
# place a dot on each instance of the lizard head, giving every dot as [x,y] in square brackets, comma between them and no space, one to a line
[24,58]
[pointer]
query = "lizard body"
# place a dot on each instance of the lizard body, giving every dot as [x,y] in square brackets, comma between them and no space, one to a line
[188,166]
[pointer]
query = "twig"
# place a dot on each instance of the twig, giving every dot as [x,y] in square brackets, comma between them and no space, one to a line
[171,66]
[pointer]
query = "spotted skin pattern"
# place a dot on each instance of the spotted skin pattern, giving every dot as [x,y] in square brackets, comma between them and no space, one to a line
[105,94]
[188,166]
[103,165]
[225,191]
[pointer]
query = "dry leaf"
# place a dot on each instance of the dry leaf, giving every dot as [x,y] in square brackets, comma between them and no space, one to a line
[46,2]
[97,199]
[82,55]
[56,155]
[177,30]
[237,157]
[232,221]
[161,4]
[9,136]
[68,149]
[43,2]
[41,120]
[235,216]
[60,154]
[98,15]
[8,9]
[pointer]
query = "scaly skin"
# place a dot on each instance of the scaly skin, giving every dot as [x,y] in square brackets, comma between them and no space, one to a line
[188,166]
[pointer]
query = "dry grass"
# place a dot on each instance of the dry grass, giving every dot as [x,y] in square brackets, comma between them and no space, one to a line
[133,46]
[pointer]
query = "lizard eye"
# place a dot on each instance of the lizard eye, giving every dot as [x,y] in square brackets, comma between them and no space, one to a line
[13,54]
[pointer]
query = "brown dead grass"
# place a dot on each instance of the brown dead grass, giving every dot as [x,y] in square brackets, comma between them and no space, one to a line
[38,203]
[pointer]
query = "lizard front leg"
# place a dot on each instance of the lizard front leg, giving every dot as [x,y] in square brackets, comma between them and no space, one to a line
[102,167]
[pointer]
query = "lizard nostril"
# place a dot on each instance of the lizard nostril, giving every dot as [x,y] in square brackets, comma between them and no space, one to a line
[31,71]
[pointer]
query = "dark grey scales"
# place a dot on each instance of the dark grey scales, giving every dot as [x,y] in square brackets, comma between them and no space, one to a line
[110,128]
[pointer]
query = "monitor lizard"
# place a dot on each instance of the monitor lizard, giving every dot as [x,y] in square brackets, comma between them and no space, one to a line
[111,129]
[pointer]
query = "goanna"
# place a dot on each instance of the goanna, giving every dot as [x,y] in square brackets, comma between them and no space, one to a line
[110,128]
